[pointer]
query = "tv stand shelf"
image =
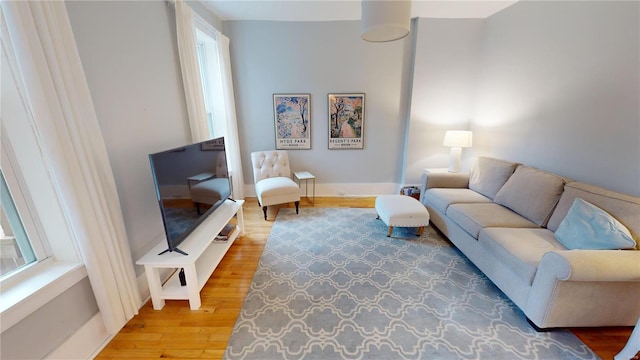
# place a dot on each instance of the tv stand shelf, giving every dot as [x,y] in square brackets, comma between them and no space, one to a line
[204,255]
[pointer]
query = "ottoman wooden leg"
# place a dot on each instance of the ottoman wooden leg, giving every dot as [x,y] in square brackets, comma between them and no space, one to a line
[420,230]
[390,231]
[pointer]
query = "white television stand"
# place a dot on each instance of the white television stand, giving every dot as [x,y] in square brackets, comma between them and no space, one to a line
[203,257]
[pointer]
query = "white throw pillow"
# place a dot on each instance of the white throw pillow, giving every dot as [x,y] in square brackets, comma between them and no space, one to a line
[588,227]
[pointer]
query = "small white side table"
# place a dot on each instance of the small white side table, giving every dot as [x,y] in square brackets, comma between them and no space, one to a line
[306,176]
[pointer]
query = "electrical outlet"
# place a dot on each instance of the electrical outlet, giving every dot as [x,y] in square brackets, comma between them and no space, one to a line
[341,193]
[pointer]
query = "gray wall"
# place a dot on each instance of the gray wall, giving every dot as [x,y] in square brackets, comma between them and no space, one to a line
[447,54]
[48,327]
[559,90]
[320,58]
[129,54]
[549,84]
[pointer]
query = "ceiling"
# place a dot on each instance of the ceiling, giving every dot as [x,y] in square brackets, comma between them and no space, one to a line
[329,10]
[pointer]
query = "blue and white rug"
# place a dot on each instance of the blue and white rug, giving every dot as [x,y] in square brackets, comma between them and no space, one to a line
[331,285]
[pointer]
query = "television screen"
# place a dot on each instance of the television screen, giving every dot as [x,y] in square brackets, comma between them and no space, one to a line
[191,182]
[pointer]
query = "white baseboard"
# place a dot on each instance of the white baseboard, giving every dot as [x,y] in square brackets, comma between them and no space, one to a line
[92,337]
[86,343]
[342,189]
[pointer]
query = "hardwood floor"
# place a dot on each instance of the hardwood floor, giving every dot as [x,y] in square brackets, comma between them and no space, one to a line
[177,332]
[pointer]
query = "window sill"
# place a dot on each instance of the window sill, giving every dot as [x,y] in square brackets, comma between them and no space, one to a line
[21,299]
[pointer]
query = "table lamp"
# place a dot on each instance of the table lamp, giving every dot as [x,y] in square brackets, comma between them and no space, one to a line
[384,21]
[456,139]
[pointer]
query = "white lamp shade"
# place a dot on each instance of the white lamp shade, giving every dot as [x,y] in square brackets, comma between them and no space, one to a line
[385,20]
[457,138]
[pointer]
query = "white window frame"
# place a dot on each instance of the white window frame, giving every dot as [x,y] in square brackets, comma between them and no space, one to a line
[27,173]
[25,209]
[209,70]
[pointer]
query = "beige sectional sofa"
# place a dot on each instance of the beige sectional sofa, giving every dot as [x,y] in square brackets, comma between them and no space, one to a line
[504,217]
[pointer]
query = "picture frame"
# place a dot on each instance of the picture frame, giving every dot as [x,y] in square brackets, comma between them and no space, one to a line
[346,120]
[213,145]
[292,119]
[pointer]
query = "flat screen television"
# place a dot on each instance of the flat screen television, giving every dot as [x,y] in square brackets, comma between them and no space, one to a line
[191,182]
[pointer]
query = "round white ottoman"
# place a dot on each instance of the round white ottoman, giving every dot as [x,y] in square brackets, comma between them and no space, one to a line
[401,211]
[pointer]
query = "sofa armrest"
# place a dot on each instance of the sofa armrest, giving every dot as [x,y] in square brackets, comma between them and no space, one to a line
[442,179]
[432,178]
[570,284]
[593,265]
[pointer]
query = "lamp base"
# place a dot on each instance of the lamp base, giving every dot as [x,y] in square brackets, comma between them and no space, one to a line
[454,159]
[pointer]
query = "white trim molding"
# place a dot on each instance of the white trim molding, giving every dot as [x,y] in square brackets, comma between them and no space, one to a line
[86,343]
[343,189]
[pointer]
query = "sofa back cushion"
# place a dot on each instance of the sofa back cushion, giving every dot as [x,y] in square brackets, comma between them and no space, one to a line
[587,227]
[488,175]
[624,208]
[532,193]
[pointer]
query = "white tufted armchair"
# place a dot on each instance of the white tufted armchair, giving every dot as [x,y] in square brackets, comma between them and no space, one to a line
[272,177]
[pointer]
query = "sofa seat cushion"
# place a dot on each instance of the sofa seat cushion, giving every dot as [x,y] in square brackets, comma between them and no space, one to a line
[519,249]
[487,175]
[440,199]
[474,217]
[531,193]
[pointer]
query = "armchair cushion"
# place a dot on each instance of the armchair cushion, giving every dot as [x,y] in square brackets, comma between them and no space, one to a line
[277,190]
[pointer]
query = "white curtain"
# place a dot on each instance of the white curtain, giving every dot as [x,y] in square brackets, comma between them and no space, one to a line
[194,92]
[191,73]
[232,141]
[59,101]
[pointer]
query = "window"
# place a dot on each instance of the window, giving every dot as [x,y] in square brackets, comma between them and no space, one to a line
[207,51]
[15,249]
[22,245]
[204,76]
[43,260]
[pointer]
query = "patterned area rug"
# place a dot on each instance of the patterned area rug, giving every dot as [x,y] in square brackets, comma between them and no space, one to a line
[331,285]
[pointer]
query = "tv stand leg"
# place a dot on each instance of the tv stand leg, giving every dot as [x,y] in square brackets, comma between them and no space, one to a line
[155,286]
[240,218]
[193,289]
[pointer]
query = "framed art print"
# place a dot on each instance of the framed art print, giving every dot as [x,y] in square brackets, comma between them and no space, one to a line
[213,145]
[346,121]
[292,120]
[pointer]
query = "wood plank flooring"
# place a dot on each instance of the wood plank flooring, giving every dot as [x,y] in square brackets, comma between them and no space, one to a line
[177,332]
